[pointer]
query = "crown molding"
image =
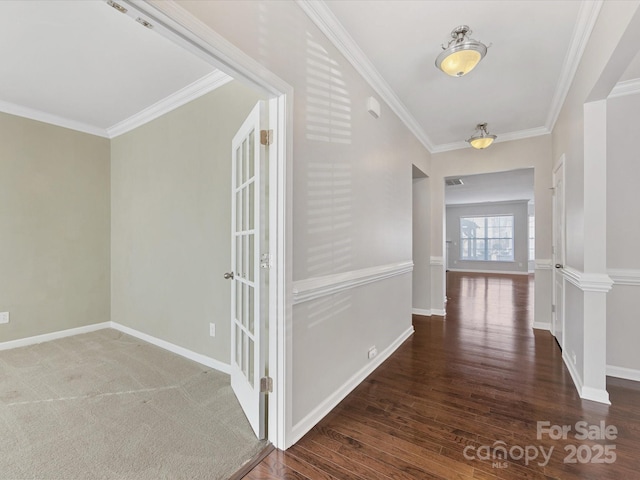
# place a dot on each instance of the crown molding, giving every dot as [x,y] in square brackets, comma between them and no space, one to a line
[206,84]
[328,24]
[587,16]
[40,116]
[628,87]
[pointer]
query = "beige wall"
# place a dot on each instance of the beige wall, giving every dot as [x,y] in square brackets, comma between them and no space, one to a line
[351,200]
[54,228]
[171,222]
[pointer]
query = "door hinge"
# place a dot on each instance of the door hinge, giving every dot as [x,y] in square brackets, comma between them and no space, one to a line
[266,385]
[265,261]
[266,137]
[553,308]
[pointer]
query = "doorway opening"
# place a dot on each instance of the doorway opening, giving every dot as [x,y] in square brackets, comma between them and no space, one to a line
[489,223]
[186,31]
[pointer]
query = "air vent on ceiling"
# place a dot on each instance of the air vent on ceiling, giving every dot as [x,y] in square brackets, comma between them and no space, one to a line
[451,182]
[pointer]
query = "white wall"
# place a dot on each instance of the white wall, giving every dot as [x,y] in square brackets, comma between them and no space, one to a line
[171,222]
[623,233]
[352,201]
[54,224]
[577,136]
[503,156]
[520,233]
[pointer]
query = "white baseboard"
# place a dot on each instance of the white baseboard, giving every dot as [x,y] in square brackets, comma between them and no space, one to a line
[500,272]
[575,376]
[623,372]
[542,326]
[421,311]
[599,395]
[178,350]
[587,393]
[438,312]
[46,337]
[183,352]
[318,413]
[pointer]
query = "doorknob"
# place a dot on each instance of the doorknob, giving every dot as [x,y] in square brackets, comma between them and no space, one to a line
[228,276]
[558,265]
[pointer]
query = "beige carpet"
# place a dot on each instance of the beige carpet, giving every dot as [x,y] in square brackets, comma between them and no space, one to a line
[105,405]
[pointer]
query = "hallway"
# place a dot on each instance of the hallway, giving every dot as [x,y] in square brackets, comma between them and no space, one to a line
[467,397]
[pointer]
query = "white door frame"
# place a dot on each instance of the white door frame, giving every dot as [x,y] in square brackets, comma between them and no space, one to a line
[178,25]
[559,166]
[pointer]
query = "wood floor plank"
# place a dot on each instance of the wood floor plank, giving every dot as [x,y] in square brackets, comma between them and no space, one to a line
[479,378]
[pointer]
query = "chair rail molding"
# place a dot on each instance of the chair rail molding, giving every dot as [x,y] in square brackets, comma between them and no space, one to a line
[544,264]
[588,282]
[436,261]
[625,276]
[316,287]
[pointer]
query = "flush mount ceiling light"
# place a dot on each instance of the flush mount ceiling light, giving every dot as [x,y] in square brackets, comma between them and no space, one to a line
[462,54]
[482,139]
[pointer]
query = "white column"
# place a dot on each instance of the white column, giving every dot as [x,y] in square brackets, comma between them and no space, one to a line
[595,282]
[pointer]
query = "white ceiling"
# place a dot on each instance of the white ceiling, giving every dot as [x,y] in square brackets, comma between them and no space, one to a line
[85,65]
[512,89]
[492,187]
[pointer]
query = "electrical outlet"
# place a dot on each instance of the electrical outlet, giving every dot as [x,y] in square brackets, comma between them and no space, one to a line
[212,329]
[4,317]
[373,351]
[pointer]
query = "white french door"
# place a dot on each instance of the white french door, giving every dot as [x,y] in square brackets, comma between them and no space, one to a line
[247,359]
[559,231]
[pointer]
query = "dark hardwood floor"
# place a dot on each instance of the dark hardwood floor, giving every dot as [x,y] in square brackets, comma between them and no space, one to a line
[460,389]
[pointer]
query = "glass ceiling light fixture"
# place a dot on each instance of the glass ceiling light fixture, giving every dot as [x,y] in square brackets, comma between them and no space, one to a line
[481,139]
[462,54]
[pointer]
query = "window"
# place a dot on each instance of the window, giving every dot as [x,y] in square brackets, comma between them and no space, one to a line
[488,239]
[532,238]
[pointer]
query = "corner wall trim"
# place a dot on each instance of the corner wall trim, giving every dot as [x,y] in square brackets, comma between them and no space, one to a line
[625,276]
[623,372]
[316,287]
[318,413]
[178,350]
[46,337]
[587,282]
